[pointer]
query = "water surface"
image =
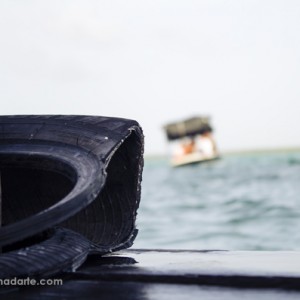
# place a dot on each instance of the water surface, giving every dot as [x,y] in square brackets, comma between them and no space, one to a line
[240,202]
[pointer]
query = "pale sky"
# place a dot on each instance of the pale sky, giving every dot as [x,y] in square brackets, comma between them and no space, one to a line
[156,62]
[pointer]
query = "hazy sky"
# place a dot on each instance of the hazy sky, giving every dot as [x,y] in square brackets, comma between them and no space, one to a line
[158,61]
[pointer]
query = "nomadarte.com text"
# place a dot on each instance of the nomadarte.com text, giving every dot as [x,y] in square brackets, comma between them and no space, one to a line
[30,281]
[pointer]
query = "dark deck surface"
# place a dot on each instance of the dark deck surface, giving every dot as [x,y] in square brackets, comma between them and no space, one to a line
[158,274]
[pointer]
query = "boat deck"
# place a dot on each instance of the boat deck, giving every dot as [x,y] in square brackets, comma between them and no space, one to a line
[175,274]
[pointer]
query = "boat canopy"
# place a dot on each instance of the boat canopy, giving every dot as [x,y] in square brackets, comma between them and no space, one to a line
[189,127]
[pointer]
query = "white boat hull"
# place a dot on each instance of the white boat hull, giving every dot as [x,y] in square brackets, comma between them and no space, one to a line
[192,158]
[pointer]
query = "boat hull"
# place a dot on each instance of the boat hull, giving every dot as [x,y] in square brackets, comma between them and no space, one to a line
[193,158]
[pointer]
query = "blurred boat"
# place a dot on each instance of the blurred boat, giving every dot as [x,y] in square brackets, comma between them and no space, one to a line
[191,141]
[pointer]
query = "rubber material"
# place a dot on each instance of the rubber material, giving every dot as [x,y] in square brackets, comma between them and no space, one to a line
[78,172]
[63,251]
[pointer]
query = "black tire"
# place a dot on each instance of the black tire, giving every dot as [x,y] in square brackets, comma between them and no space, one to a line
[78,172]
[61,250]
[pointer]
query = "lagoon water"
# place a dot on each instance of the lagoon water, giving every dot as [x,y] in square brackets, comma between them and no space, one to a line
[240,202]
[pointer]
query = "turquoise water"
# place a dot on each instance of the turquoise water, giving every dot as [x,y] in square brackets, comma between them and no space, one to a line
[240,202]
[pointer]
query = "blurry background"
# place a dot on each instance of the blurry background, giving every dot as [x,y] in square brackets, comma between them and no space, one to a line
[160,61]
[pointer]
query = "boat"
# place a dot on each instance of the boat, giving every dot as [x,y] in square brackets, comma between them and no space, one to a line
[191,141]
[69,193]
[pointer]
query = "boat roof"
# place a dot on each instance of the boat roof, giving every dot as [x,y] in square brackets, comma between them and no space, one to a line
[188,127]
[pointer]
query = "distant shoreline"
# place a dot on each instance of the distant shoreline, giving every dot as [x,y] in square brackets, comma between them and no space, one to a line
[236,152]
[261,151]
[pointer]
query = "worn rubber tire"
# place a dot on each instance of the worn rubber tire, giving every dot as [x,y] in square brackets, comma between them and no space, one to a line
[62,250]
[78,172]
